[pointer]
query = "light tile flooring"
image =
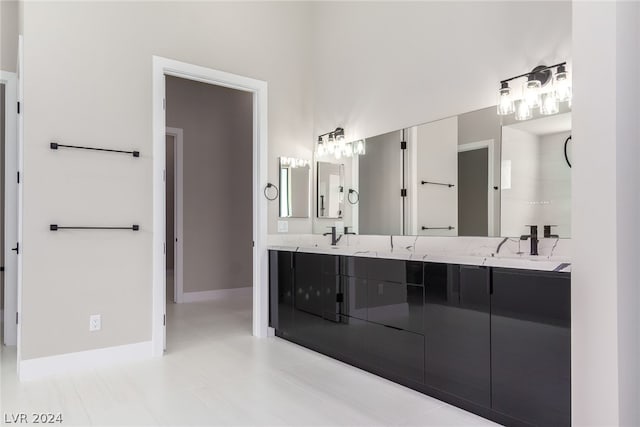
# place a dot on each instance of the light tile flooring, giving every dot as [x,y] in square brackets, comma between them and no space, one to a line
[216,373]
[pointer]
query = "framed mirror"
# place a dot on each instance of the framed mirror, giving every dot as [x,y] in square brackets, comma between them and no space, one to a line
[294,187]
[330,190]
[536,176]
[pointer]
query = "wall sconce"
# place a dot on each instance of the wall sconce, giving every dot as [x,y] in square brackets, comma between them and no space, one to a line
[535,93]
[334,143]
[291,162]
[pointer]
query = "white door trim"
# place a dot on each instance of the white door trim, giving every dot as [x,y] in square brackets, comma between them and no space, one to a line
[165,66]
[10,260]
[489,144]
[178,212]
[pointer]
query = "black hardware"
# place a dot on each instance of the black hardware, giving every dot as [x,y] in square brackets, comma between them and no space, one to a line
[334,237]
[17,248]
[1,269]
[534,239]
[346,231]
[340,297]
[437,183]
[540,69]
[566,155]
[56,227]
[547,232]
[438,228]
[18,107]
[403,192]
[269,185]
[352,191]
[18,176]
[403,145]
[495,187]
[55,146]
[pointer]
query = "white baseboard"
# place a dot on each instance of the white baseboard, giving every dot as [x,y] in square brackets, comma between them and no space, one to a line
[216,294]
[41,367]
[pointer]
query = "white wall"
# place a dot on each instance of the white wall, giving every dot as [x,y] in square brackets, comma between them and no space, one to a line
[382,66]
[605,212]
[88,81]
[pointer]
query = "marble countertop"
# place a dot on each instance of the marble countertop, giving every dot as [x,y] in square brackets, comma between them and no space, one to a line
[480,251]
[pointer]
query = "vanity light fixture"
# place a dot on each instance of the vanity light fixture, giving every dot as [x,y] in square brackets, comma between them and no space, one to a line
[536,92]
[336,145]
[292,162]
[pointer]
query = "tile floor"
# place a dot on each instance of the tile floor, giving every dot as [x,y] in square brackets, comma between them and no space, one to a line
[216,373]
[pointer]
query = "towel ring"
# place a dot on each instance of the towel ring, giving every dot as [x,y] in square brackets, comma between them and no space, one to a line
[268,186]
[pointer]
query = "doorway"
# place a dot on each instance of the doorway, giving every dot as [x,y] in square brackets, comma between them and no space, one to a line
[165,69]
[475,191]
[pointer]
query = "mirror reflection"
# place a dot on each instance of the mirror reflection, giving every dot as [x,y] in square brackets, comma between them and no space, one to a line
[536,175]
[330,190]
[294,187]
[466,175]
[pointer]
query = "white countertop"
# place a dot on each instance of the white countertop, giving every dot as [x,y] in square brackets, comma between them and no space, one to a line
[454,250]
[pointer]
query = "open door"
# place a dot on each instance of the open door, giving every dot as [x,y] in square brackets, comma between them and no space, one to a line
[13,202]
[10,261]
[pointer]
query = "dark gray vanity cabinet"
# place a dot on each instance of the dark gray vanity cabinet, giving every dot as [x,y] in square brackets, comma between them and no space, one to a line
[531,345]
[458,328]
[493,341]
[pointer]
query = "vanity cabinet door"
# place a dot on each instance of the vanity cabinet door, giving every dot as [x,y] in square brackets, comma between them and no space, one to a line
[394,351]
[531,345]
[281,290]
[457,324]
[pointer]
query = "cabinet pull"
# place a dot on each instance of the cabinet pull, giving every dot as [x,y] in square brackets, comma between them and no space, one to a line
[340,297]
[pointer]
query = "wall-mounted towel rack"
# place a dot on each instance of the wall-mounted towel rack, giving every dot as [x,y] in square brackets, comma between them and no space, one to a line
[56,227]
[438,228]
[437,183]
[55,146]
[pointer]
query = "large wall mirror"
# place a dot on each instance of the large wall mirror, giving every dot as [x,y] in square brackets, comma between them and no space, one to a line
[466,175]
[294,187]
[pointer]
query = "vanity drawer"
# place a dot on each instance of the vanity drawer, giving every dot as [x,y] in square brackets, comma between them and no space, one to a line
[354,266]
[388,270]
[396,304]
[415,272]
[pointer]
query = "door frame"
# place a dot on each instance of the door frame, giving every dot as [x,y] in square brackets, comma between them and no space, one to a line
[10,308]
[178,210]
[489,144]
[162,67]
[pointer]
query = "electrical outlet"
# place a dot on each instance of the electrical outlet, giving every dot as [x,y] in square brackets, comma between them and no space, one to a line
[283,226]
[95,322]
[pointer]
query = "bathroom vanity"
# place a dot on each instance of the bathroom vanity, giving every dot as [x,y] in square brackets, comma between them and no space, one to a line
[492,340]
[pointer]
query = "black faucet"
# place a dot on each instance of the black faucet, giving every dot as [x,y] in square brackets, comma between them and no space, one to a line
[547,232]
[346,231]
[334,237]
[534,238]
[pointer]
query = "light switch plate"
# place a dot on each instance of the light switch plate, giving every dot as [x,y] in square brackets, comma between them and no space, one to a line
[283,226]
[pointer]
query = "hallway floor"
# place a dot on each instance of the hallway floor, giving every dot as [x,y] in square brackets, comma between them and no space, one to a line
[216,373]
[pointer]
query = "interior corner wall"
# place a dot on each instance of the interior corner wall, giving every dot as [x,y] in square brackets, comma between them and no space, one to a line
[605,295]
[384,66]
[86,84]
[9,29]
[217,124]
